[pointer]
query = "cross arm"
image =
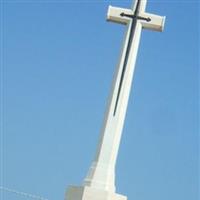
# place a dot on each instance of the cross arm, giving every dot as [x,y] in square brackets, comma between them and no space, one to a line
[124,16]
[156,23]
[114,15]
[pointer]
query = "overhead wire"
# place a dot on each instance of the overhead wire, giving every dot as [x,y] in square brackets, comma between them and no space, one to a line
[30,196]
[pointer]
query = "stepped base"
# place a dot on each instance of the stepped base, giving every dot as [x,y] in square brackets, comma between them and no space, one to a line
[88,193]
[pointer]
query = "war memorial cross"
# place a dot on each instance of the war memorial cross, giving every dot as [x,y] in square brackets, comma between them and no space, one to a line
[100,181]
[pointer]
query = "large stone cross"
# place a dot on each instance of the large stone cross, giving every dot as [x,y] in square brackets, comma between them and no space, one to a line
[100,181]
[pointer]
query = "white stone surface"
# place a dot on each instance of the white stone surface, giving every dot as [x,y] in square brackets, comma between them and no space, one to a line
[88,193]
[113,15]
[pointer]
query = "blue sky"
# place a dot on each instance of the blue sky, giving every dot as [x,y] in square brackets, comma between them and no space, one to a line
[58,60]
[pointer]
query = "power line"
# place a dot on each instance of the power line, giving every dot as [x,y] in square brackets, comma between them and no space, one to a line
[30,196]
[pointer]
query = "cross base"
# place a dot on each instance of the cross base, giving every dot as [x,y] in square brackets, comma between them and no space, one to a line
[89,193]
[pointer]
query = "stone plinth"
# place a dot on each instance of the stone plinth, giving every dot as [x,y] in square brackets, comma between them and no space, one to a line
[89,193]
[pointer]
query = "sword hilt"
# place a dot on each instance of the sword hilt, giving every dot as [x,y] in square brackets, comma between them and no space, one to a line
[135,17]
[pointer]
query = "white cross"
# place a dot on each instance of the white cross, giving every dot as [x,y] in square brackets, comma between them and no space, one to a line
[100,181]
[102,171]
